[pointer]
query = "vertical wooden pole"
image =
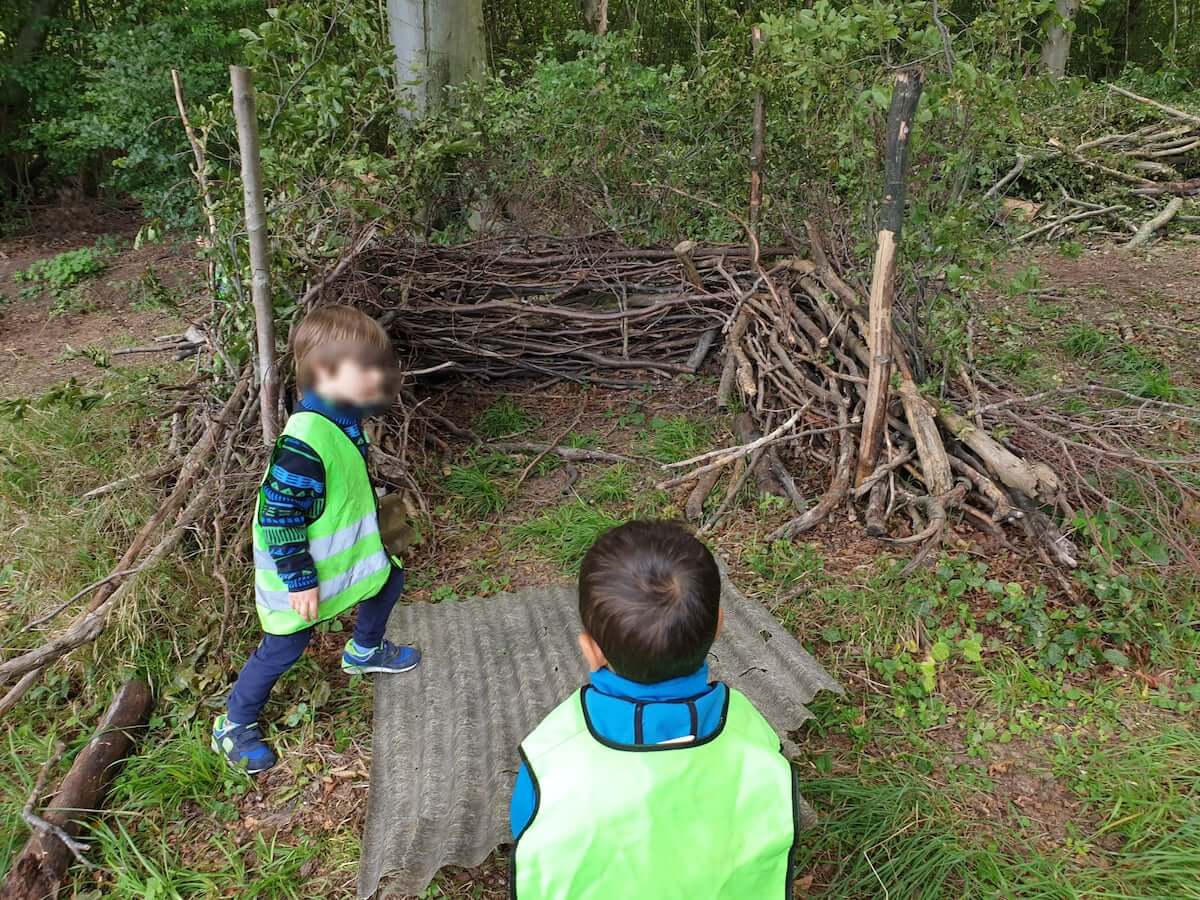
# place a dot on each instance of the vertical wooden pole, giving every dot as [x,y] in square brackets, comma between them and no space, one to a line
[757,148]
[256,231]
[905,95]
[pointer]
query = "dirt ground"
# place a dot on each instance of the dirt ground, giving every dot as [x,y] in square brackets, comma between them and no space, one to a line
[40,347]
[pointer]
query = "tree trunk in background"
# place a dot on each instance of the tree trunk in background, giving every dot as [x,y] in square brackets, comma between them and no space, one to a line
[595,15]
[1057,46]
[437,43]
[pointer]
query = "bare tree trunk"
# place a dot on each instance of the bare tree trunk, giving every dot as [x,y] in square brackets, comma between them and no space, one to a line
[595,16]
[905,96]
[256,232]
[437,43]
[38,871]
[1056,48]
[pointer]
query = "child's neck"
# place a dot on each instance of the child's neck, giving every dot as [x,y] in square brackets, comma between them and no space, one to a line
[342,408]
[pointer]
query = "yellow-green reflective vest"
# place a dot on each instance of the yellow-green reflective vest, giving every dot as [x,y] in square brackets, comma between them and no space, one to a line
[344,541]
[710,820]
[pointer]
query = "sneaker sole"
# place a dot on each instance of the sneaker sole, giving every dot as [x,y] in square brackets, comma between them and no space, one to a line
[216,748]
[367,670]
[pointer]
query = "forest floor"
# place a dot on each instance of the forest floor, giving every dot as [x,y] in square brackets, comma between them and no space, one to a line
[982,750]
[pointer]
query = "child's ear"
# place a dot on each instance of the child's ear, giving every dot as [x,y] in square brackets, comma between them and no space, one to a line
[591,651]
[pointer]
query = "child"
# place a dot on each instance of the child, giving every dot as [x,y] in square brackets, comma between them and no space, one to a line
[317,547]
[652,782]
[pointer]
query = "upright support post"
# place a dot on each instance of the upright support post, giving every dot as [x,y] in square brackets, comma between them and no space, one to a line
[905,95]
[256,231]
[757,147]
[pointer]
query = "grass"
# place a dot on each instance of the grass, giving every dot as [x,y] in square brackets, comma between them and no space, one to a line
[477,486]
[1085,341]
[677,438]
[565,533]
[614,485]
[504,418]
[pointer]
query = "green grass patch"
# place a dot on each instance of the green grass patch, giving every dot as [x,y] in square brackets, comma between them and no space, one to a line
[614,485]
[565,533]
[677,438]
[1085,341]
[504,418]
[477,486]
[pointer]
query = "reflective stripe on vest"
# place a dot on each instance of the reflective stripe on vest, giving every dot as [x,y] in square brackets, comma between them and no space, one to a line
[711,820]
[344,541]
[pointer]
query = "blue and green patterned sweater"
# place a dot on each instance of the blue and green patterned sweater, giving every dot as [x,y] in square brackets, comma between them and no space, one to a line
[293,493]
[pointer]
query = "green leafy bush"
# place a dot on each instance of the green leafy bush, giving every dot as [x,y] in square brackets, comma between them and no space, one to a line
[66,270]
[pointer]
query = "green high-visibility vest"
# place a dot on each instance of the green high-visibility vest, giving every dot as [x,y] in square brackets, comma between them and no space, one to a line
[344,541]
[713,819]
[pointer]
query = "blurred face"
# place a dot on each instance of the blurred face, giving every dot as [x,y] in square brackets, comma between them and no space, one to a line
[350,383]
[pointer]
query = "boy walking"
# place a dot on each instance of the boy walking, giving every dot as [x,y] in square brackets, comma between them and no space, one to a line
[652,782]
[317,546]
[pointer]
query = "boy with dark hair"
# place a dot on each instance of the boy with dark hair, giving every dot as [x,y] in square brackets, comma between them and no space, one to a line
[317,545]
[652,782]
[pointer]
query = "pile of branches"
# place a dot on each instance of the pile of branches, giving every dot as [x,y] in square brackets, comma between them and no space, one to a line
[791,328]
[564,308]
[215,458]
[1131,168]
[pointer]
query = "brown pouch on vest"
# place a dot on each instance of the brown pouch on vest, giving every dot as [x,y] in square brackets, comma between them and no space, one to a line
[398,522]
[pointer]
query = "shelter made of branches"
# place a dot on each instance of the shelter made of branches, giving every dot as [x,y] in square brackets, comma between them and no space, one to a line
[788,333]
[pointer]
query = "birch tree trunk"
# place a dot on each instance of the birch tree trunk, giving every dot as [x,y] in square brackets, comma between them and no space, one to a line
[595,16]
[1056,48]
[437,43]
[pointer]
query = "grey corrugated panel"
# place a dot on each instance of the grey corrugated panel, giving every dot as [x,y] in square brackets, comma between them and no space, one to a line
[445,745]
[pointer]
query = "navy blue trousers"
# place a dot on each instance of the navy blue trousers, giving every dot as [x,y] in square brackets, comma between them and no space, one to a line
[277,653]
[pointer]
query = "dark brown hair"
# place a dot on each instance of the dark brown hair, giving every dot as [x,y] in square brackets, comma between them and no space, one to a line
[649,594]
[330,334]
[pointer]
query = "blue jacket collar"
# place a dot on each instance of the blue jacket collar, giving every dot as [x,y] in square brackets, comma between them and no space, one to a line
[343,415]
[606,681]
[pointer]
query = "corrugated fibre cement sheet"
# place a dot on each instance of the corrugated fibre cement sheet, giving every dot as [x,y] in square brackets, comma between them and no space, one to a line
[445,745]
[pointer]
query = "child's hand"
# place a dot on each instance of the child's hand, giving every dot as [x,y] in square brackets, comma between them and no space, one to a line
[306,603]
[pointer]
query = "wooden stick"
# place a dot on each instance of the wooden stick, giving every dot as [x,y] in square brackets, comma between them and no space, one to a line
[1147,229]
[1181,188]
[683,252]
[931,451]
[260,259]
[694,510]
[1169,110]
[1032,479]
[1008,178]
[1074,217]
[877,508]
[757,148]
[833,496]
[41,867]
[725,457]
[121,483]
[200,172]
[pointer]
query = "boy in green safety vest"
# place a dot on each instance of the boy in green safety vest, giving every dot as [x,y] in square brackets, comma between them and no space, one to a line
[317,544]
[652,782]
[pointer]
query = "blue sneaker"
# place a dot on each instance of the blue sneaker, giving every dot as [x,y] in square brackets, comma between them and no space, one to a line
[387,657]
[242,746]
